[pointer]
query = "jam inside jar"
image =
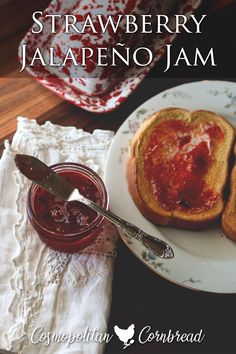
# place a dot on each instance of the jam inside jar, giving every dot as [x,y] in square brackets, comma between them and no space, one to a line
[68,226]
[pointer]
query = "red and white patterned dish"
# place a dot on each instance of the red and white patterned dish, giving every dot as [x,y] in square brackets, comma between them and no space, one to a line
[118,92]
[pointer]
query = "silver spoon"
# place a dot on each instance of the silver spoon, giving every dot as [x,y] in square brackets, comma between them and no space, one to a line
[41,174]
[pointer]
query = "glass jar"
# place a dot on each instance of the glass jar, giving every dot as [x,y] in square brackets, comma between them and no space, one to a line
[68,226]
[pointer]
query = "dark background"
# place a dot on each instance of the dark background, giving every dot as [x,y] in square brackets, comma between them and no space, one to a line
[218,31]
[139,296]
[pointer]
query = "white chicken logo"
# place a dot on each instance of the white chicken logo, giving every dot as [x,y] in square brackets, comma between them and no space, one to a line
[125,335]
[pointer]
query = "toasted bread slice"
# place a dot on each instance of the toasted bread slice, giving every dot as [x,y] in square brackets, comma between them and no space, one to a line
[228,221]
[179,166]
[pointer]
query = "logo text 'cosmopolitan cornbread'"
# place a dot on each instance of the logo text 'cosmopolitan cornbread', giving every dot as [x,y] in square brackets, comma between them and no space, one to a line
[127,336]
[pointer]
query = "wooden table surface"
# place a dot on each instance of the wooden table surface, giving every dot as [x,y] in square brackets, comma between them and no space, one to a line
[139,296]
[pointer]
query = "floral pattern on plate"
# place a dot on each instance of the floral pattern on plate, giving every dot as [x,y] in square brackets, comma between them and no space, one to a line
[203,260]
[231,104]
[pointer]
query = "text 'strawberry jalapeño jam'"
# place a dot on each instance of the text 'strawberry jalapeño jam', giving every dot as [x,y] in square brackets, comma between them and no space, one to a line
[68,226]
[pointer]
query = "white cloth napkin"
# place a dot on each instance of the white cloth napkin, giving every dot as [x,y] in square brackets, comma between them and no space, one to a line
[49,297]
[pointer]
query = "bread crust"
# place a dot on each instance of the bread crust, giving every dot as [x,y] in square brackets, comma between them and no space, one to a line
[162,216]
[228,221]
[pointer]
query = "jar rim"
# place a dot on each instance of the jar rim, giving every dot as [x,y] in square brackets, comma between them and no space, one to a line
[95,178]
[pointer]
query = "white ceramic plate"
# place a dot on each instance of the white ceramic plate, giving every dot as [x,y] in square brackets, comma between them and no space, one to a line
[204,260]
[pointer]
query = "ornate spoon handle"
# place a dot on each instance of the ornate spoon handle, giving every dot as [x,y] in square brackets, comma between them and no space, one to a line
[159,247]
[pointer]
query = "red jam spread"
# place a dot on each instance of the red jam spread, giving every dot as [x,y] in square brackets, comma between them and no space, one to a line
[67,217]
[177,158]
